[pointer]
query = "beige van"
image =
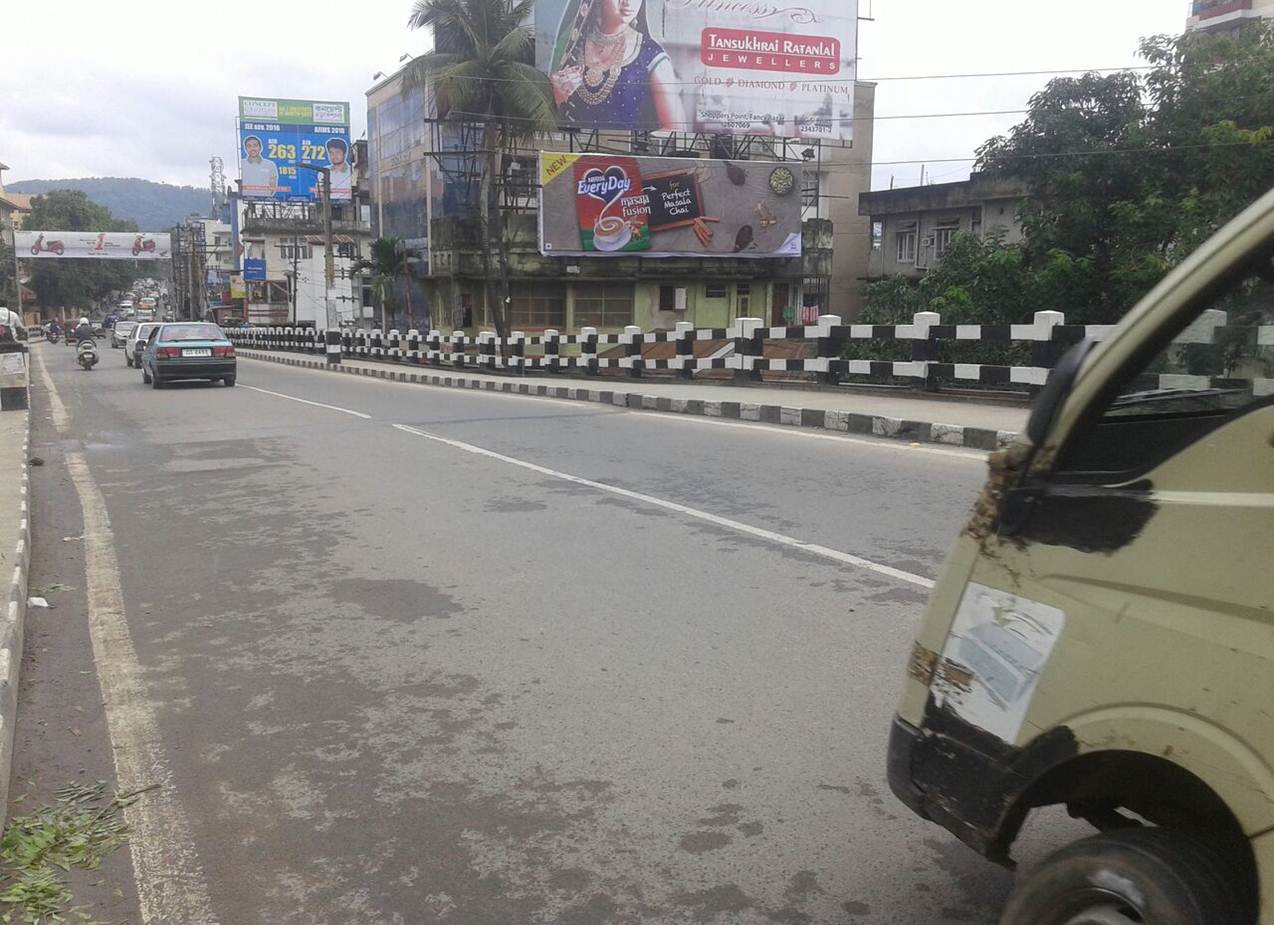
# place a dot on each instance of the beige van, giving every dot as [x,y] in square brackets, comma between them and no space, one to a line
[1102,632]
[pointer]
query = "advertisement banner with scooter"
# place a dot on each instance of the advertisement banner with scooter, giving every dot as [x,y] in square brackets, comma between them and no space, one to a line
[96,245]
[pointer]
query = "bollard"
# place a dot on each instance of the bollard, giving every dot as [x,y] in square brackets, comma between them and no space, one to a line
[749,346]
[332,337]
[924,349]
[588,350]
[632,340]
[685,349]
[830,346]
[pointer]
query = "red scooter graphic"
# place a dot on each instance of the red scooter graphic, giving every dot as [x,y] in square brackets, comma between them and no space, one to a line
[53,247]
[141,245]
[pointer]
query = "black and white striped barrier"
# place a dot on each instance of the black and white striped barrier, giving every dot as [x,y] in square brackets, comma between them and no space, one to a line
[742,348]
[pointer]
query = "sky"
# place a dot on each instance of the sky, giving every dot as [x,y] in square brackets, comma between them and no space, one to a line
[92,88]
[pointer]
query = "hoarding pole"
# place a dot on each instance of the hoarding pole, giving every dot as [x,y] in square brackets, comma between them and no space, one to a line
[17,272]
[333,336]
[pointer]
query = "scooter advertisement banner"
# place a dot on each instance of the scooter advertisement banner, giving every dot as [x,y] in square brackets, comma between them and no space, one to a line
[613,205]
[96,245]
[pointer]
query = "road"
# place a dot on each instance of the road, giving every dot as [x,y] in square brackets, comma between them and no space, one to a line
[409,655]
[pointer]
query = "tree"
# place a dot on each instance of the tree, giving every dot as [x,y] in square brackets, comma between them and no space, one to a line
[388,264]
[481,71]
[1129,174]
[75,284]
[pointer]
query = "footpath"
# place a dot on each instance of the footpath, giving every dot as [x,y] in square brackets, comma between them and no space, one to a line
[15,546]
[919,419]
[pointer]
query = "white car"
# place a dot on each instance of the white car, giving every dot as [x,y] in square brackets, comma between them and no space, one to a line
[137,338]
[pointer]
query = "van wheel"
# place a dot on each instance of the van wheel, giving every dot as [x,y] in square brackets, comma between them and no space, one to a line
[1132,876]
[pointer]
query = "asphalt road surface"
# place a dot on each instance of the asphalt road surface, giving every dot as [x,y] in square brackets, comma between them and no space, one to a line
[410,655]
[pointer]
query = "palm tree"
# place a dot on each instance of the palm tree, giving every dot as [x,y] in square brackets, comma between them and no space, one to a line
[481,71]
[388,264]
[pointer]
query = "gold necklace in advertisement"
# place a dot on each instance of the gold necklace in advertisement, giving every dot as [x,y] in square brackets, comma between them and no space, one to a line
[610,51]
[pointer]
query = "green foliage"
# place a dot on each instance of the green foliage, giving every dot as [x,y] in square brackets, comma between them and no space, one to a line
[77,831]
[153,206]
[1128,174]
[75,284]
[387,265]
[483,65]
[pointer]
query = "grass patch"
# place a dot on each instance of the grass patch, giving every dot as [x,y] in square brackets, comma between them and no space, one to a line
[78,831]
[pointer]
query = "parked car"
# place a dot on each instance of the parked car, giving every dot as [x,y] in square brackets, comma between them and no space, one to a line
[120,332]
[187,350]
[136,341]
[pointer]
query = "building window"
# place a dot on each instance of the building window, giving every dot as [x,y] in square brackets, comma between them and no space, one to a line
[877,235]
[538,305]
[603,305]
[942,237]
[906,246]
[715,292]
[298,251]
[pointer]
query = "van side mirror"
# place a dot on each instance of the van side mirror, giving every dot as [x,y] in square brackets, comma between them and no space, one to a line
[1055,390]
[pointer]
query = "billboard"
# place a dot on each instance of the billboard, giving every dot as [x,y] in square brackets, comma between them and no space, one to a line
[614,205]
[739,66]
[99,245]
[277,136]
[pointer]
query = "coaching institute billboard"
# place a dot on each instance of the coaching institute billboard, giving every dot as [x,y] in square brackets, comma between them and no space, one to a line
[768,67]
[277,137]
[98,245]
[604,205]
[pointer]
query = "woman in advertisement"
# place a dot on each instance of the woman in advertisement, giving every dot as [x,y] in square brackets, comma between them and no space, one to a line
[608,72]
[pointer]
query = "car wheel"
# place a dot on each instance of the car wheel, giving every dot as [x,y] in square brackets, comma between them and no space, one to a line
[1126,877]
[228,380]
[156,382]
[145,376]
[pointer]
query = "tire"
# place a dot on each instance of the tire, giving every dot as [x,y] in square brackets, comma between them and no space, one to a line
[145,376]
[1147,875]
[156,382]
[228,380]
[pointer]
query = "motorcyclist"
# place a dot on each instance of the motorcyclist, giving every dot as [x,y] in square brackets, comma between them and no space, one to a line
[83,331]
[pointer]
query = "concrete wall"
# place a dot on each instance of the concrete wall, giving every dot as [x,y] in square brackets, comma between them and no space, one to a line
[848,174]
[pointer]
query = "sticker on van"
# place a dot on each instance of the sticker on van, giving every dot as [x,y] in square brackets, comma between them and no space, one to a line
[998,646]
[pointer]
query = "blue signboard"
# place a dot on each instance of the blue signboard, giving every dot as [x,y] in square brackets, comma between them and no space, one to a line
[277,138]
[254,269]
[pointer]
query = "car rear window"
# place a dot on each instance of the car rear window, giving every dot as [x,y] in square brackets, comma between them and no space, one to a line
[179,332]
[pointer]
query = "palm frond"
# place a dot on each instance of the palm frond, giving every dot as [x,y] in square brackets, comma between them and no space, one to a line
[419,71]
[463,86]
[526,99]
[517,45]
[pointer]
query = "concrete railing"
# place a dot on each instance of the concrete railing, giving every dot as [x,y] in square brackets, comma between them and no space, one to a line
[1046,338]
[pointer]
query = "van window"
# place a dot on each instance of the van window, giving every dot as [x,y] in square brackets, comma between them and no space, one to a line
[1218,365]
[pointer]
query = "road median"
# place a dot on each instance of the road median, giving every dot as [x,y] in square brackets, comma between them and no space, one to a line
[15,561]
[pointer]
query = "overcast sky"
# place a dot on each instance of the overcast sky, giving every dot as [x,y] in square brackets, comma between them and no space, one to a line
[93,88]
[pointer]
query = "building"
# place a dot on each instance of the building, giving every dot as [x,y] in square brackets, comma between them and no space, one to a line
[288,238]
[424,186]
[1227,15]
[14,207]
[911,228]
[202,266]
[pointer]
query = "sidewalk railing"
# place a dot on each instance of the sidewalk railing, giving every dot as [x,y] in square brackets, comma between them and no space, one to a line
[754,346]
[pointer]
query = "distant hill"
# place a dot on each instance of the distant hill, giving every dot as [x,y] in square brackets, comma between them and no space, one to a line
[153,206]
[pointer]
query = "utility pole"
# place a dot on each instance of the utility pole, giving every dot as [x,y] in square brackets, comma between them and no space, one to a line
[333,335]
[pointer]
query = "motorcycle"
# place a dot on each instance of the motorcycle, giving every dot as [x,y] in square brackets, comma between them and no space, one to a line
[52,337]
[86,354]
[53,247]
[143,246]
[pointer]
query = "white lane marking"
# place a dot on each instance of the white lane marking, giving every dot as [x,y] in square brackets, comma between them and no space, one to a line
[60,418]
[879,443]
[170,880]
[306,401]
[825,552]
